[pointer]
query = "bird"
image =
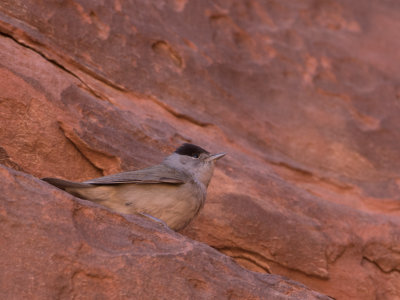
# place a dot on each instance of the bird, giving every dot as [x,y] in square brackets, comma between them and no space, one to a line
[172,192]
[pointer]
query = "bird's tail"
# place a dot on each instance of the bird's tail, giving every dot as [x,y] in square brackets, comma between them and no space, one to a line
[64,184]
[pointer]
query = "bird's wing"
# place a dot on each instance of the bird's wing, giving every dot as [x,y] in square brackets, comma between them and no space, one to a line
[154,174]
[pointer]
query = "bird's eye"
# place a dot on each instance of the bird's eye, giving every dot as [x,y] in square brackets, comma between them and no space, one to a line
[196,155]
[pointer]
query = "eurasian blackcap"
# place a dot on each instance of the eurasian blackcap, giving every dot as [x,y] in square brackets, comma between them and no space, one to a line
[173,191]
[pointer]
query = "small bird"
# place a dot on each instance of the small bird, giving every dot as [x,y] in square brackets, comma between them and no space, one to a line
[173,191]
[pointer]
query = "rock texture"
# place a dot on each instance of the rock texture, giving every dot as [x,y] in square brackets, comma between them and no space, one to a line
[64,248]
[303,95]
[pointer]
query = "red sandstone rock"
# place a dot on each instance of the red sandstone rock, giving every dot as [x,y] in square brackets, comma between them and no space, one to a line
[55,246]
[303,95]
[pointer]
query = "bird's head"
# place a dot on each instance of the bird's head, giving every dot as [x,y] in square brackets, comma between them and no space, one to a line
[194,161]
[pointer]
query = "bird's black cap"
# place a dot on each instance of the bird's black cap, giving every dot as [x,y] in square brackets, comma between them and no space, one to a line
[190,150]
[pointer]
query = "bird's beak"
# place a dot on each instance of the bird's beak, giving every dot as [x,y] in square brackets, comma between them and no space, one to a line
[215,156]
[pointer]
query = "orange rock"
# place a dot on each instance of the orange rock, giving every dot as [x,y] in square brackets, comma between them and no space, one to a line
[57,246]
[303,95]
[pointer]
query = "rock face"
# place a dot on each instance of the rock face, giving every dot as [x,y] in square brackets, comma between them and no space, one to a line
[303,95]
[64,248]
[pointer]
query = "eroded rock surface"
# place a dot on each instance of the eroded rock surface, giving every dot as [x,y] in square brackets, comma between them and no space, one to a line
[303,95]
[55,246]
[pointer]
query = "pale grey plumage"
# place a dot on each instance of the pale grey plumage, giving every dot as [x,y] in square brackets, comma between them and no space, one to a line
[173,191]
[155,174]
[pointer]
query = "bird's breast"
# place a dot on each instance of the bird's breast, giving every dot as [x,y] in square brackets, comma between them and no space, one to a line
[176,205]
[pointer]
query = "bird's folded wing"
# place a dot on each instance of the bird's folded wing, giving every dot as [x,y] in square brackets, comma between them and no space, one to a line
[154,174]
